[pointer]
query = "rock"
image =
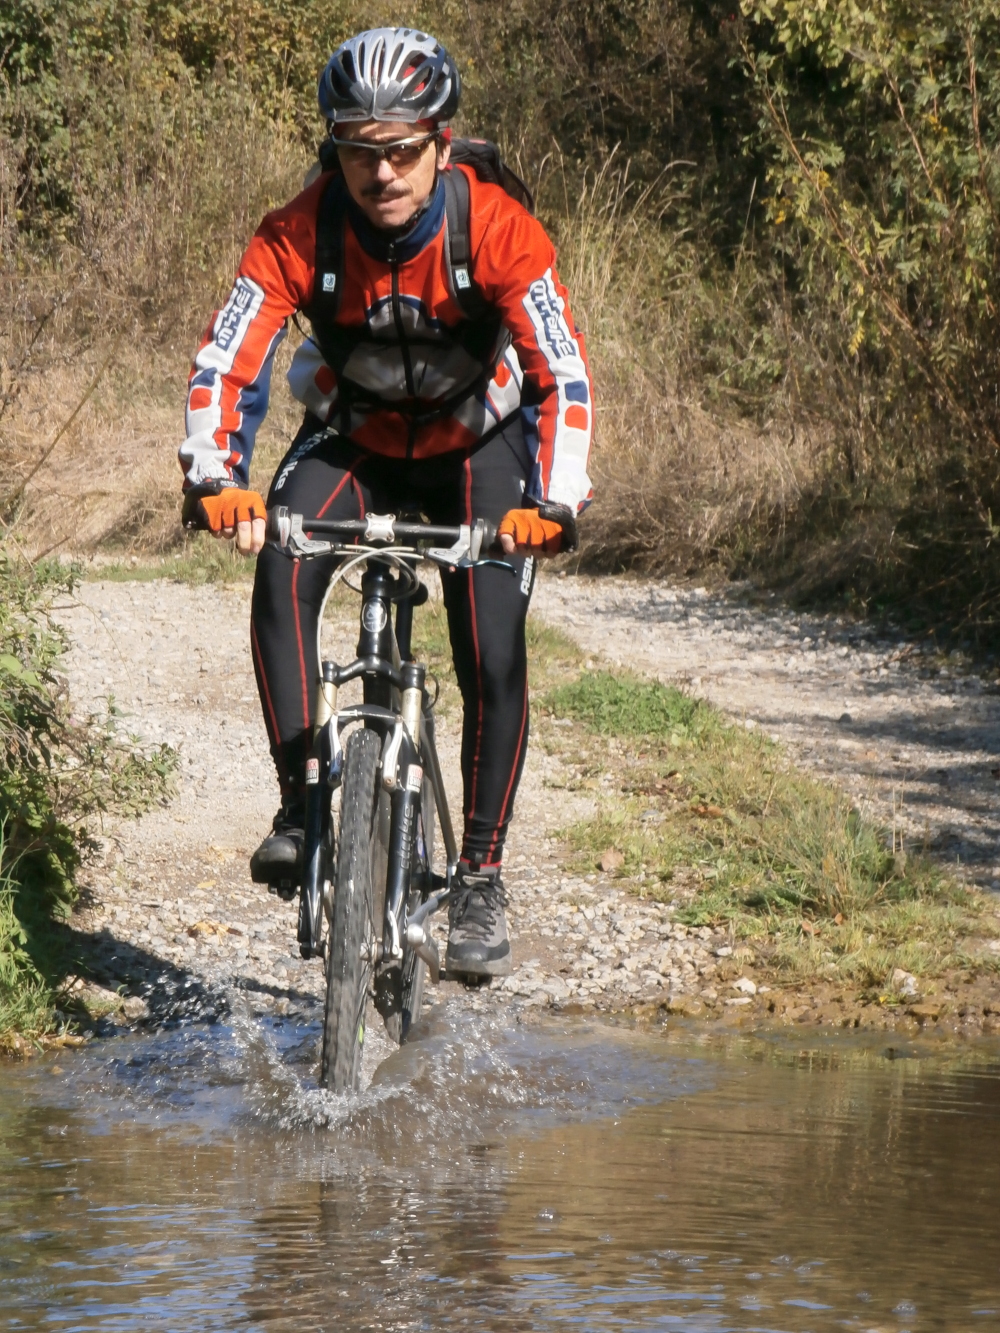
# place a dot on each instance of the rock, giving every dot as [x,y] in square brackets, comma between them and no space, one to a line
[925,1013]
[904,983]
[134,1007]
[685,1006]
[742,999]
[745,986]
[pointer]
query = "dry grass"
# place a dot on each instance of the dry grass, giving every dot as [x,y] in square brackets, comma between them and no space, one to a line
[680,472]
[96,348]
[678,479]
[112,481]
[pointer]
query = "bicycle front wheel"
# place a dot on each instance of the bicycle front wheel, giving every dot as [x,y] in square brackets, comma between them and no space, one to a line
[355,928]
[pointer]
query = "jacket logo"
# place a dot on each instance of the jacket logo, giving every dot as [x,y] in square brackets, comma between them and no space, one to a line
[230,322]
[462,280]
[543,297]
[329,282]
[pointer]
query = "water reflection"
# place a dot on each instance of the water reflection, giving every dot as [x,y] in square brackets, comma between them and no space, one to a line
[499,1176]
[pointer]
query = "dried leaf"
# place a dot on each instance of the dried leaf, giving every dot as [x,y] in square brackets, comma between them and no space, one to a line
[208,928]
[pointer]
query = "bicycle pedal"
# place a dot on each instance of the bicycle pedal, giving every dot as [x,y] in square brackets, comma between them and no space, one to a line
[286,890]
[463,979]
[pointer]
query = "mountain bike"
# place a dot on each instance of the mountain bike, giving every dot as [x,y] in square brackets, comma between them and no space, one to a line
[367,887]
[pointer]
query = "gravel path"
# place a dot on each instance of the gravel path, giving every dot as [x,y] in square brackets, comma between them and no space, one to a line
[913,736]
[169,911]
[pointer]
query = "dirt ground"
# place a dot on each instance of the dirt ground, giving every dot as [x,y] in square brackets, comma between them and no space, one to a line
[169,916]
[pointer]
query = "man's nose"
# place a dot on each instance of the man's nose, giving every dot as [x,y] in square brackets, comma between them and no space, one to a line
[385,171]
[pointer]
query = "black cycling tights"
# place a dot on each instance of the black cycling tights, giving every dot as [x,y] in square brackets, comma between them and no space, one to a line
[325,476]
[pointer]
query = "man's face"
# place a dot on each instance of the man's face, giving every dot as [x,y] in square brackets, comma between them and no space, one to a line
[390,195]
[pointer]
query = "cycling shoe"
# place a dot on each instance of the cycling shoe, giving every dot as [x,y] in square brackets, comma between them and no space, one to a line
[478,947]
[279,857]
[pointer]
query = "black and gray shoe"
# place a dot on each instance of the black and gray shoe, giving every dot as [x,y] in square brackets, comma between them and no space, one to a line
[478,947]
[278,859]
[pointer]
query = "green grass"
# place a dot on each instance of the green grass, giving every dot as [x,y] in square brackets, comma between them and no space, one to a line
[25,997]
[201,559]
[627,706]
[717,819]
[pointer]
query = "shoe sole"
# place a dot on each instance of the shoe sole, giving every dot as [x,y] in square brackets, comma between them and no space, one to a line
[485,971]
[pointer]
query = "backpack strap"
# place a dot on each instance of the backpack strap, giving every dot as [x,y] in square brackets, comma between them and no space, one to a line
[328,279]
[457,207]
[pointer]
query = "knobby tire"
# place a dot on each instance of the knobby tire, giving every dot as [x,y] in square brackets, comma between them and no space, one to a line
[356,925]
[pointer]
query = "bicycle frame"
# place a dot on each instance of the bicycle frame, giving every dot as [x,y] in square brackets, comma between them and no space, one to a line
[397,705]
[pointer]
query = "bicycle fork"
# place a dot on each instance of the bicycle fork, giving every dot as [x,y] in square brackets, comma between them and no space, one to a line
[317,820]
[403,776]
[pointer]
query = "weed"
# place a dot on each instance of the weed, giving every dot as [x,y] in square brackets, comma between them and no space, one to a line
[201,559]
[715,819]
[627,706]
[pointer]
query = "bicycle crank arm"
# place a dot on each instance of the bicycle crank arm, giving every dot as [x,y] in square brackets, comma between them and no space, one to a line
[425,946]
[421,913]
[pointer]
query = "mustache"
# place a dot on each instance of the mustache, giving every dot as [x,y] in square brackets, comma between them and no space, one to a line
[386,190]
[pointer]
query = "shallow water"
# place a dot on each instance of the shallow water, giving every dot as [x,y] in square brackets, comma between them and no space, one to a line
[498,1175]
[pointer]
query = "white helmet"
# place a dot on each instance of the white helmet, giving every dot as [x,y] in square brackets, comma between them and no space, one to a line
[390,74]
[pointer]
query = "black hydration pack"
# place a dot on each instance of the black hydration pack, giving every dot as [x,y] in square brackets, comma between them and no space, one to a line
[481,332]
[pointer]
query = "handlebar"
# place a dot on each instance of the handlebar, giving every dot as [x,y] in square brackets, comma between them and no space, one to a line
[467,541]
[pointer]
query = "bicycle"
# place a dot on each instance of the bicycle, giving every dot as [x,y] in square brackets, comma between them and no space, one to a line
[367,869]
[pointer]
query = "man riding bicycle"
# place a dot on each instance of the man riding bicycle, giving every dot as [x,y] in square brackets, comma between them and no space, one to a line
[443,375]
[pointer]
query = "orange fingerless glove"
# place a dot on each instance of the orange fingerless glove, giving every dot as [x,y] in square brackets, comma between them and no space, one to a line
[224,510]
[530,530]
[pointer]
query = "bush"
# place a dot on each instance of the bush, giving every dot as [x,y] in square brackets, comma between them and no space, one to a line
[56,770]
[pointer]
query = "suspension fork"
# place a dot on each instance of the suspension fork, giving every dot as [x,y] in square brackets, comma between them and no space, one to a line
[317,821]
[405,782]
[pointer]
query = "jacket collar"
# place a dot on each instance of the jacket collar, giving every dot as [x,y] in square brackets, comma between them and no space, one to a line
[386,245]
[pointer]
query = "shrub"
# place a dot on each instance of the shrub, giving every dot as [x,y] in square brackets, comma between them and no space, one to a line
[56,770]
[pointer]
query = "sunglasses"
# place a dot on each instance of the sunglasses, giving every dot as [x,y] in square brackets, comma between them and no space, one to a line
[398,152]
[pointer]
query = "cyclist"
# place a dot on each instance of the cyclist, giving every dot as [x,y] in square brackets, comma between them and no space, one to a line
[410,403]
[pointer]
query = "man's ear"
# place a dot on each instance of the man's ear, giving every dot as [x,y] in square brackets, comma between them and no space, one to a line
[443,154]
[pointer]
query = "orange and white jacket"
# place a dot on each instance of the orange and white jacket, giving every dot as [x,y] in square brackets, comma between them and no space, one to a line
[543,375]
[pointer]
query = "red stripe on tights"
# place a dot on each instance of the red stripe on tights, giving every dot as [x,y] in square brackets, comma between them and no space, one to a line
[298,636]
[475,648]
[513,771]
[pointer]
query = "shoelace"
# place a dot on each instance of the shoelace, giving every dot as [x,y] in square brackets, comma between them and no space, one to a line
[475,908]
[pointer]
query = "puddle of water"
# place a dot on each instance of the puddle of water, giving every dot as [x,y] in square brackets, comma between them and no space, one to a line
[493,1175]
